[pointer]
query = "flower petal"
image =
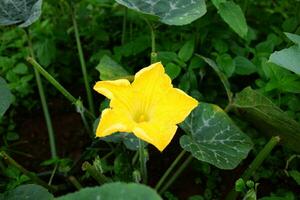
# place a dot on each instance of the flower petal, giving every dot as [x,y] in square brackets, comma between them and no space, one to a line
[112,121]
[175,107]
[152,79]
[120,93]
[111,89]
[154,133]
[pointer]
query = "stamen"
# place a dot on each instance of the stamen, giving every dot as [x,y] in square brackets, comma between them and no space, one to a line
[141,118]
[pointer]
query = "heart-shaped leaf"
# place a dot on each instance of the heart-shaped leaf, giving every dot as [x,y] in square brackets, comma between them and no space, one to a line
[178,12]
[29,191]
[214,138]
[115,191]
[22,12]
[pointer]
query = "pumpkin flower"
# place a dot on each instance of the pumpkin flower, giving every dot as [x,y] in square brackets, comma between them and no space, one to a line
[149,107]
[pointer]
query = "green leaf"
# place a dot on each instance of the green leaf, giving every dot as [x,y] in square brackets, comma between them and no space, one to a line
[214,138]
[284,83]
[233,15]
[46,51]
[186,51]
[293,37]
[6,98]
[29,191]
[240,185]
[135,46]
[243,66]
[287,58]
[130,141]
[218,2]
[220,45]
[178,12]
[110,70]
[221,75]
[188,81]
[21,68]
[114,191]
[172,70]
[226,64]
[295,175]
[22,12]
[266,116]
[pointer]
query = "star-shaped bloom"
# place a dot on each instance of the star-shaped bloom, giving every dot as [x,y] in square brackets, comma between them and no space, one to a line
[149,107]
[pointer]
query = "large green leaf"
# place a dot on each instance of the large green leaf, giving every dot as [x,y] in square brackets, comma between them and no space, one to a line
[287,58]
[233,15]
[114,191]
[266,116]
[22,12]
[6,97]
[178,12]
[214,138]
[293,37]
[25,192]
[110,69]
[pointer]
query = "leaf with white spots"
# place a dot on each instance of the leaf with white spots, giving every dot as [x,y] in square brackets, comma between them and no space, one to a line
[22,12]
[172,12]
[214,138]
[114,191]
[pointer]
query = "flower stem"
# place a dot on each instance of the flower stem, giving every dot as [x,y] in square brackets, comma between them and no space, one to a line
[143,162]
[176,174]
[51,134]
[99,177]
[168,171]
[31,175]
[256,163]
[56,84]
[82,63]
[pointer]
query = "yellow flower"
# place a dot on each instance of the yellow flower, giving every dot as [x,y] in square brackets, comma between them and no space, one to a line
[149,107]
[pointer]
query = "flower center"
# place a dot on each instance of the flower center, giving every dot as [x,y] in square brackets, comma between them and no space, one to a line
[139,118]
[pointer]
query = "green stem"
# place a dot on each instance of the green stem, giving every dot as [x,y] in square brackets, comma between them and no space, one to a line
[168,171]
[256,163]
[153,47]
[75,182]
[261,156]
[176,174]
[124,25]
[31,175]
[143,162]
[80,110]
[44,103]
[82,63]
[56,84]
[52,174]
[99,177]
